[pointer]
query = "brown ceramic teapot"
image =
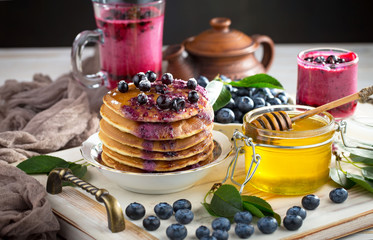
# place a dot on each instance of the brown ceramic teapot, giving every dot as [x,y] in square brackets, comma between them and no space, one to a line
[219,50]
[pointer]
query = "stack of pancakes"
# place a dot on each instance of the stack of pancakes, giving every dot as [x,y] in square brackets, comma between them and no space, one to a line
[145,138]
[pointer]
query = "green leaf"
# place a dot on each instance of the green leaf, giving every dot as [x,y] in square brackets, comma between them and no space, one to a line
[226,201]
[78,169]
[252,209]
[367,184]
[262,205]
[360,159]
[259,80]
[209,210]
[367,172]
[42,164]
[340,178]
[218,95]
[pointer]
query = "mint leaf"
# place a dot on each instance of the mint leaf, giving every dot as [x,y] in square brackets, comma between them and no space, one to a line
[226,201]
[260,80]
[252,209]
[367,172]
[42,164]
[360,159]
[340,178]
[367,184]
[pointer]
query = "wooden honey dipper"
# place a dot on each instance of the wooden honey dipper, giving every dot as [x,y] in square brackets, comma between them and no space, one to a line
[280,120]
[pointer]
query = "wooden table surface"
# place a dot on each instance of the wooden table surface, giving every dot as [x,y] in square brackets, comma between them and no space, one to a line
[21,64]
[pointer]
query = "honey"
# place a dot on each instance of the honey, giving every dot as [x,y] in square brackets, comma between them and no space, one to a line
[292,162]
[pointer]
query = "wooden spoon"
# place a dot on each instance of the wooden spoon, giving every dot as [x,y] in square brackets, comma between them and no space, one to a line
[280,120]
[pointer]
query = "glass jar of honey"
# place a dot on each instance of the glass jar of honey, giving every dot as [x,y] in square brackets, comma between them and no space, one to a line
[292,162]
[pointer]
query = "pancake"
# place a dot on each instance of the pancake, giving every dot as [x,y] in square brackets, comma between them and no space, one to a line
[153,166]
[152,155]
[160,130]
[126,104]
[159,146]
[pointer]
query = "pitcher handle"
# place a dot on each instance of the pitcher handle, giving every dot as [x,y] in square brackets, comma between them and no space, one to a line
[82,39]
[268,50]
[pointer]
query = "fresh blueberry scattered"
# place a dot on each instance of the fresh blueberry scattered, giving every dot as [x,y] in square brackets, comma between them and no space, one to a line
[243,92]
[122,86]
[243,217]
[221,223]
[208,238]
[220,234]
[225,115]
[193,96]
[163,210]
[238,115]
[202,231]
[310,202]
[296,210]
[231,104]
[292,222]
[184,216]
[245,104]
[243,230]
[167,78]
[151,223]
[202,81]
[267,225]
[163,102]
[274,101]
[259,102]
[137,78]
[182,204]
[145,85]
[176,231]
[338,195]
[283,97]
[142,98]
[152,76]
[192,83]
[225,78]
[135,211]
[178,104]
[160,88]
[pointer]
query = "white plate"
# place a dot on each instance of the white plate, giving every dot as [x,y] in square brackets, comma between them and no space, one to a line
[154,183]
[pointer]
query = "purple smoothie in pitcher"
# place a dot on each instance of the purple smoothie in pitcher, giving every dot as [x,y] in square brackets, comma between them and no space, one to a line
[132,41]
[325,75]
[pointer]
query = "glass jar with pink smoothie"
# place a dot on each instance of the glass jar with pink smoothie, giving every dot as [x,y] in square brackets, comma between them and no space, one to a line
[325,75]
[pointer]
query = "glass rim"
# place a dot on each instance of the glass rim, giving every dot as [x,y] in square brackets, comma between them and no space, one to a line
[326,49]
[123,3]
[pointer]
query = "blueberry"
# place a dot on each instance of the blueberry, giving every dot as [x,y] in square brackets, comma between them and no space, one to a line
[160,88]
[225,115]
[184,216]
[245,104]
[167,78]
[259,102]
[243,92]
[142,98]
[234,95]
[309,59]
[234,90]
[267,224]
[274,101]
[163,210]
[243,217]
[332,59]
[163,102]
[263,93]
[137,78]
[176,231]
[319,59]
[231,104]
[244,230]
[122,86]
[251,91]
[225,78]
[208,238]
[341,60]
[151,223]
[192,83]
[310,202]
[135,211]
[178,104]
[220,234]
[182,204]
[228,87]
[338,195]
[202,231]
[292,222]
[283,97]
[296,210]
[202,81]
[152,76]
[193,96]
[145,85]
[221,223]
[238,115]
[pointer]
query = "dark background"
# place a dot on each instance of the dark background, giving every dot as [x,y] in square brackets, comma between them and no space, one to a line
[50,23]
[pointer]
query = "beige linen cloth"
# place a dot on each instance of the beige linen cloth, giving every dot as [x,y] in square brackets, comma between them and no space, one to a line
[38,117]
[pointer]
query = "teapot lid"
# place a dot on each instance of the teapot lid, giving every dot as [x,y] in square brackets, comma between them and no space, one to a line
[220,41]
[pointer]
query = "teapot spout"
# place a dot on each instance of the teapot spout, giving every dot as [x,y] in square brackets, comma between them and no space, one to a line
[178,63]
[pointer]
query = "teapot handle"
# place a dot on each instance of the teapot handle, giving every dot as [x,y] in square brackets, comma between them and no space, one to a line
[268,50]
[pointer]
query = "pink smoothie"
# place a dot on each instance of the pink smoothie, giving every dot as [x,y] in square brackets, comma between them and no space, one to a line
[322,81]
[132,43]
